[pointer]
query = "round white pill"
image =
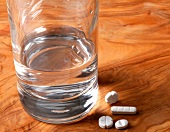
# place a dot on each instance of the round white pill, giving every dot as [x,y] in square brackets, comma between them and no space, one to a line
[121,124]
[105,122]
[111,97]
[102,121]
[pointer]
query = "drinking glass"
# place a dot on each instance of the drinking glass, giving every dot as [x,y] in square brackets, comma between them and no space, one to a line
[55,56]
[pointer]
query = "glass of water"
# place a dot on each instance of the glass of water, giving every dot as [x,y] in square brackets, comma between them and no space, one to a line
[55,55]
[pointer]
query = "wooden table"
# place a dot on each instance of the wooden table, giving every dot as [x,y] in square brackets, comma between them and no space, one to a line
[134,60]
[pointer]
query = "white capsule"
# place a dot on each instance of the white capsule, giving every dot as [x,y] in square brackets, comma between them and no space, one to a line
[121,124]
[111,97]
[105,122]
[123,110]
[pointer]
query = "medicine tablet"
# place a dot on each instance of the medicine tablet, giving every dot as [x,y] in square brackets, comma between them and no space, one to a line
[105,122]
[121,124]
[123,110]
[111,97]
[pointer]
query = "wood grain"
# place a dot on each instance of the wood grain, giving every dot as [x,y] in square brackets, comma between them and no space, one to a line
[134,60]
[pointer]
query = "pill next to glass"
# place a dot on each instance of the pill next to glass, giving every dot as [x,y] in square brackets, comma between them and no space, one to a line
[121,124]
[111,97]
[105,122]
[123,110]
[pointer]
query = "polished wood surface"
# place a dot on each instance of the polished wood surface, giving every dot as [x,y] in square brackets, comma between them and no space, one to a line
[134,60]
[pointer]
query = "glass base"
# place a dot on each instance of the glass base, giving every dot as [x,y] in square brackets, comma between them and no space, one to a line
[59,112]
